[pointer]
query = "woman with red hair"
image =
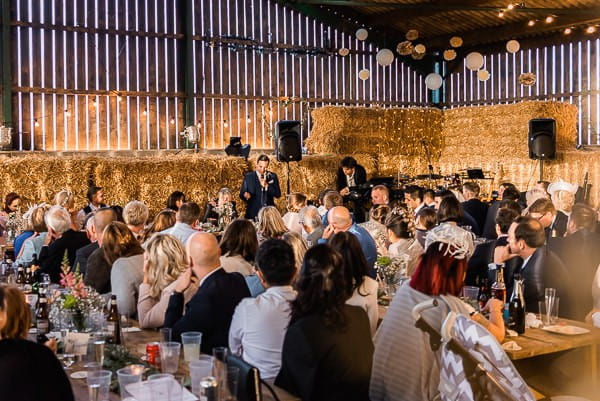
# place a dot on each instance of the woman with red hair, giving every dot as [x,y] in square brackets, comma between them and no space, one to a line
[404,366]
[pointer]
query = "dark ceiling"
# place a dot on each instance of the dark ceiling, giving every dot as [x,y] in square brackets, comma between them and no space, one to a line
[477,21]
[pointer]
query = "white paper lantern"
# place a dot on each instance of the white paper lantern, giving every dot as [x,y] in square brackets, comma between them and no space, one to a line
[474,61]
[513,46]
[385,57]
[362,34]
[343,52]
[421,49]
[483,75]
[364,74]
[433,81]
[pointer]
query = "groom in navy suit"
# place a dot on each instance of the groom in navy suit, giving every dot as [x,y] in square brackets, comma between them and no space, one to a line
[259,188]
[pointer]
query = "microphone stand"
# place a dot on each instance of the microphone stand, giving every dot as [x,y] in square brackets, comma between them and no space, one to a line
[428,156]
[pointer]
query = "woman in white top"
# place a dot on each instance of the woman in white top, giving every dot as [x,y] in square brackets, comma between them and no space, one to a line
[361,289]
[238,247]
[295,202]
[401,235]
[164,261]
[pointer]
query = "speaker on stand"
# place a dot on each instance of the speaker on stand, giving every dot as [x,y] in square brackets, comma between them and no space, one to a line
[542,141]
[288,145]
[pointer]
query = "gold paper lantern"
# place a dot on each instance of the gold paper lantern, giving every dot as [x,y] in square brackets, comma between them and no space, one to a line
[483,75]
[449,54]
[456,41]
[420,48]
[527,79]
[412,34]
[405,48]
[343,52]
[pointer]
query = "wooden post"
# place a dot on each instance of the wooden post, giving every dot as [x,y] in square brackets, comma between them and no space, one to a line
[6,65]
[189,63]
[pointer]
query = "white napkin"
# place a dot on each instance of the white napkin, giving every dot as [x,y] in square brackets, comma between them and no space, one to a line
[76,343]
[596,319]
[532,321]
[511,333]
[511,346]
[163,389]
[131,329]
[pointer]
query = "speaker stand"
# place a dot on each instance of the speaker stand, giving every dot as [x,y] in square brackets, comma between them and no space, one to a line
[288,177]
[541,169]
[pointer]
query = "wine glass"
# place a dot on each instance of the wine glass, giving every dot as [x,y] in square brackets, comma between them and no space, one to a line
[67,360]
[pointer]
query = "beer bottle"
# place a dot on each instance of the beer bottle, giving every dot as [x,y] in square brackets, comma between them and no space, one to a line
[483,294]
[516,307]
[20,281]
[499,288]
[113,322]
[28,280]
[41,315]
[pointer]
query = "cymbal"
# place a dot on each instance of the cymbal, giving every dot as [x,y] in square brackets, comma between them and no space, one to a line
[427,177]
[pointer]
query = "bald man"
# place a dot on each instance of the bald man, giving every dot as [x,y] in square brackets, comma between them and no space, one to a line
[210,310]
[340,220]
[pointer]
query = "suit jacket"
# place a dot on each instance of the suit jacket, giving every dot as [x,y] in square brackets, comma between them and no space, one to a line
[360,177]
[580,253]
[210,310]
[489,228]
[82,255]
[324,363]
[477,209]
[559,226]
[258,197]
[545,270]
[51,256]
[313,238]
[483,255]
[97,273]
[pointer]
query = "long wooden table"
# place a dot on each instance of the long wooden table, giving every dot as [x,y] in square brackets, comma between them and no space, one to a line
[136,343]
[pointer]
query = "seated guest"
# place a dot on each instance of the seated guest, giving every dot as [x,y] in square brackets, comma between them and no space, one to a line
[506,191]
[472,204]
[28,371]
[12,203]
[543,185]
[450,210]
[327,350]
[340,220]
[330,200]
[26,233]
[60,238]
[96,267]
[541,268]
[83,253]
[295,202]
[349,174]
[95,196]
[580,253]
[404,366]
[429,198]
[553,221]
[361,289]
[563,196]
[413,197]
[175,200]
[238,247]
[534,194]
[270,224]
[426,219]
[479,268]
[187,217]
[259,324]
[375,225]
[322,210]
[380,195]
[164,261]
[401,234]
[135,215]
[165,219]
[126,256]
[298,245]
[66,199]
[312,225]
[221,211]
[210,310]
[33,245]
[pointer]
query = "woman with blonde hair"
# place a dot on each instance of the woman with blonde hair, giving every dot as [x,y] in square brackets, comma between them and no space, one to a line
[125,254]
[295,202]
[270,224]
[66,199]
[166,218]
[164,261]
[23,362]
[298,245]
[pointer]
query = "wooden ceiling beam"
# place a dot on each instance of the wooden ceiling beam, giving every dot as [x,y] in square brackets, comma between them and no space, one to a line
[510,31]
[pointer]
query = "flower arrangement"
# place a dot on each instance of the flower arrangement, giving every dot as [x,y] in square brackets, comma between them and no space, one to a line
[391,272]
[226,213]
[14,225]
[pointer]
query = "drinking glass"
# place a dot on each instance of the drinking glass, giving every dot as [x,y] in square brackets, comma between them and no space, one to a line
[231,387]
[554,311]
[98,385]
[165,335]
[158,376]
[549,298]
[95,351]
[169,356]
[191,341]
[128,375]
[200,368]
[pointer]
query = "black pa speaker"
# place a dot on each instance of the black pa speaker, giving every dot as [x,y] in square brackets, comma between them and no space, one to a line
[287,141]
[542,139]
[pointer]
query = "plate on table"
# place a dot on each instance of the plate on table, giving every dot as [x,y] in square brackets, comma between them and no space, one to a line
[567,330]
[79,375]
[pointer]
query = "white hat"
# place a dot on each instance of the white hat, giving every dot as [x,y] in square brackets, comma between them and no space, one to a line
[562,186]
[460,241]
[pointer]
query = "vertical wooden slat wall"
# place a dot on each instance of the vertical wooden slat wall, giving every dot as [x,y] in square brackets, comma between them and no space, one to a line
[567,72]
[108,74]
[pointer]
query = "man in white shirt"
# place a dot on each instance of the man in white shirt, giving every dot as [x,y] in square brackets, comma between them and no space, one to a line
[187,218]
[259,324]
